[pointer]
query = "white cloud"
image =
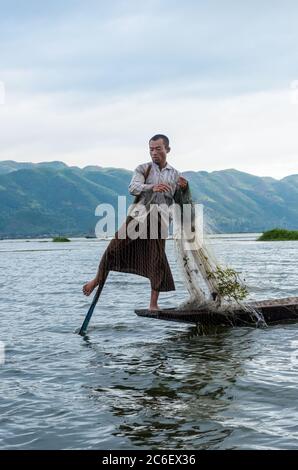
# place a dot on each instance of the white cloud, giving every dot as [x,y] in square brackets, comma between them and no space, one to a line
[256,132]
[2,93]
[122,46]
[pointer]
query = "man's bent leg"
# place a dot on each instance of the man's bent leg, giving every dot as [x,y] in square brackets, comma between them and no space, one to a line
[102,271]
[89,286]
[108,258]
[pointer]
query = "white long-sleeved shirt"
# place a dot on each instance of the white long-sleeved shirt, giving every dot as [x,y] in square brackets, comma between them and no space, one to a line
[167,175]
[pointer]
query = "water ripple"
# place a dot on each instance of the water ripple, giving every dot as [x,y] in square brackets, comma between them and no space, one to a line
[134,382]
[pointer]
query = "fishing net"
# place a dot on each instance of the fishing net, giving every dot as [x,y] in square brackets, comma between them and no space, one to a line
[209,284]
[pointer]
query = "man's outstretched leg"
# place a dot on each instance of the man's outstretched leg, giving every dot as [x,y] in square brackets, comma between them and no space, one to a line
[153,300]
[101,275]
[108,260]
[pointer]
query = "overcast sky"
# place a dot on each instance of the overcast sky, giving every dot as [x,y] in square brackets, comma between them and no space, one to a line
[89,82]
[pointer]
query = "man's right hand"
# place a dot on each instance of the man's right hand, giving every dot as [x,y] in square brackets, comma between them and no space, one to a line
[161,188]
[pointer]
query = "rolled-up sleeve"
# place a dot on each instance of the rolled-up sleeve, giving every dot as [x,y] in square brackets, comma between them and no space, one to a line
[137,184]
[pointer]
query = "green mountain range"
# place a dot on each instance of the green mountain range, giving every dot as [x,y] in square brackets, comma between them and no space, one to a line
[51,198]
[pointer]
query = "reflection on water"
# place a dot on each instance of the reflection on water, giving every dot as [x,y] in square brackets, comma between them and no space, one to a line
[175,394]
[136,382]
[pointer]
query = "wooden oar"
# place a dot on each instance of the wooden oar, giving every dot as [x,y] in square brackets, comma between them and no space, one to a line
[85,324]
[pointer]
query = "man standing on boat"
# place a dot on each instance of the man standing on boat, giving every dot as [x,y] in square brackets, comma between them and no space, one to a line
[157,182]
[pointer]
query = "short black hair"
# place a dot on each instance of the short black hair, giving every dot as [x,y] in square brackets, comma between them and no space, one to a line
[163,137]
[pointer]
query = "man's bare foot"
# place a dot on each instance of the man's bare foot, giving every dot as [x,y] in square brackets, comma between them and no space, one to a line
[154,307]
[89,287]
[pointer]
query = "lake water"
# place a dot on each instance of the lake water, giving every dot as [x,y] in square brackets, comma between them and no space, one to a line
[137,383]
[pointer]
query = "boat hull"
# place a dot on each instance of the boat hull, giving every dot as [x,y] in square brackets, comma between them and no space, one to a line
[274,311]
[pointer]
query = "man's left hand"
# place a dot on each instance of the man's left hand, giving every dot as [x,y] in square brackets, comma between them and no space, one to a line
[182,182]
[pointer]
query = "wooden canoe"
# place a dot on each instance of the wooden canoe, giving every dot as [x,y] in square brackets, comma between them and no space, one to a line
[274,311]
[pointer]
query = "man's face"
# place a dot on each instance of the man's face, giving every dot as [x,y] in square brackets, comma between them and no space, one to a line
[158,151]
